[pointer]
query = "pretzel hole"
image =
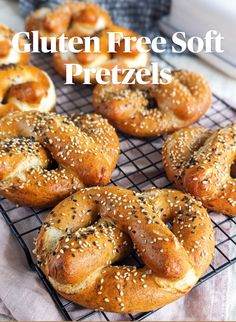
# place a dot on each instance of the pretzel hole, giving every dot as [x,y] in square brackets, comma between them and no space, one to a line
[131,260]
[53,165]
[233,170]
[152,102]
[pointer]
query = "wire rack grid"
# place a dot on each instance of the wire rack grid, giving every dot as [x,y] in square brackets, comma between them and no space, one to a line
[140,167]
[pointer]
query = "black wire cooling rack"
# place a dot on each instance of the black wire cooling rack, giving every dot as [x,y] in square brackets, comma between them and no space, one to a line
[139,168]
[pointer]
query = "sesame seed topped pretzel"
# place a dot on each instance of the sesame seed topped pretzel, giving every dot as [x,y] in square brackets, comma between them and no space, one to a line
[24,88]
[72,18]
[153,110]
[85,235]
[7,54]
[201,161]
[46,157]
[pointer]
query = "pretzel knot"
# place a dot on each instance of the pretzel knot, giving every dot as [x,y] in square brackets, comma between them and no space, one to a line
[87,233]
[7,54]
[46,157]
[154,110]
[24,88]
[202,162]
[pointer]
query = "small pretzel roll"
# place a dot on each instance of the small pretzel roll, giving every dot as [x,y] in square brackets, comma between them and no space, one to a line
[46,157]
[7,54]
[154,110]
[72,18]
[86,234]
[87,19]
[200,162]
[49,22]
[103,59]
[24,88]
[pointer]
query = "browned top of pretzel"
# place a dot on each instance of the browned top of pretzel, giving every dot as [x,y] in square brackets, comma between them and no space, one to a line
[85,235]
[154,110]
[87,19]
[46,157]
[25,87]
[200,161]
[103,59]
[7,54]
[71,18]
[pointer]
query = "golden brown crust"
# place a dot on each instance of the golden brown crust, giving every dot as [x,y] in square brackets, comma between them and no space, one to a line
[85,19]
[88,19]
[24,88]
[86,234]
[103,59]
[72,18]
[85,149]
[178,150]
[199,161]
[7,54]
[49,23]
[154,110]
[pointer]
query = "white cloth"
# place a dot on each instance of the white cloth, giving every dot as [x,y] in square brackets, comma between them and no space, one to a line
[21,291]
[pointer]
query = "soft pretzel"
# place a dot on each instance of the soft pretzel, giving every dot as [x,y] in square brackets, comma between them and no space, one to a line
[71,18]
[85,235]
[201,162]
[7,54]
[24,88]
[87,19]
[46,157]
[154,110]
[103,59]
